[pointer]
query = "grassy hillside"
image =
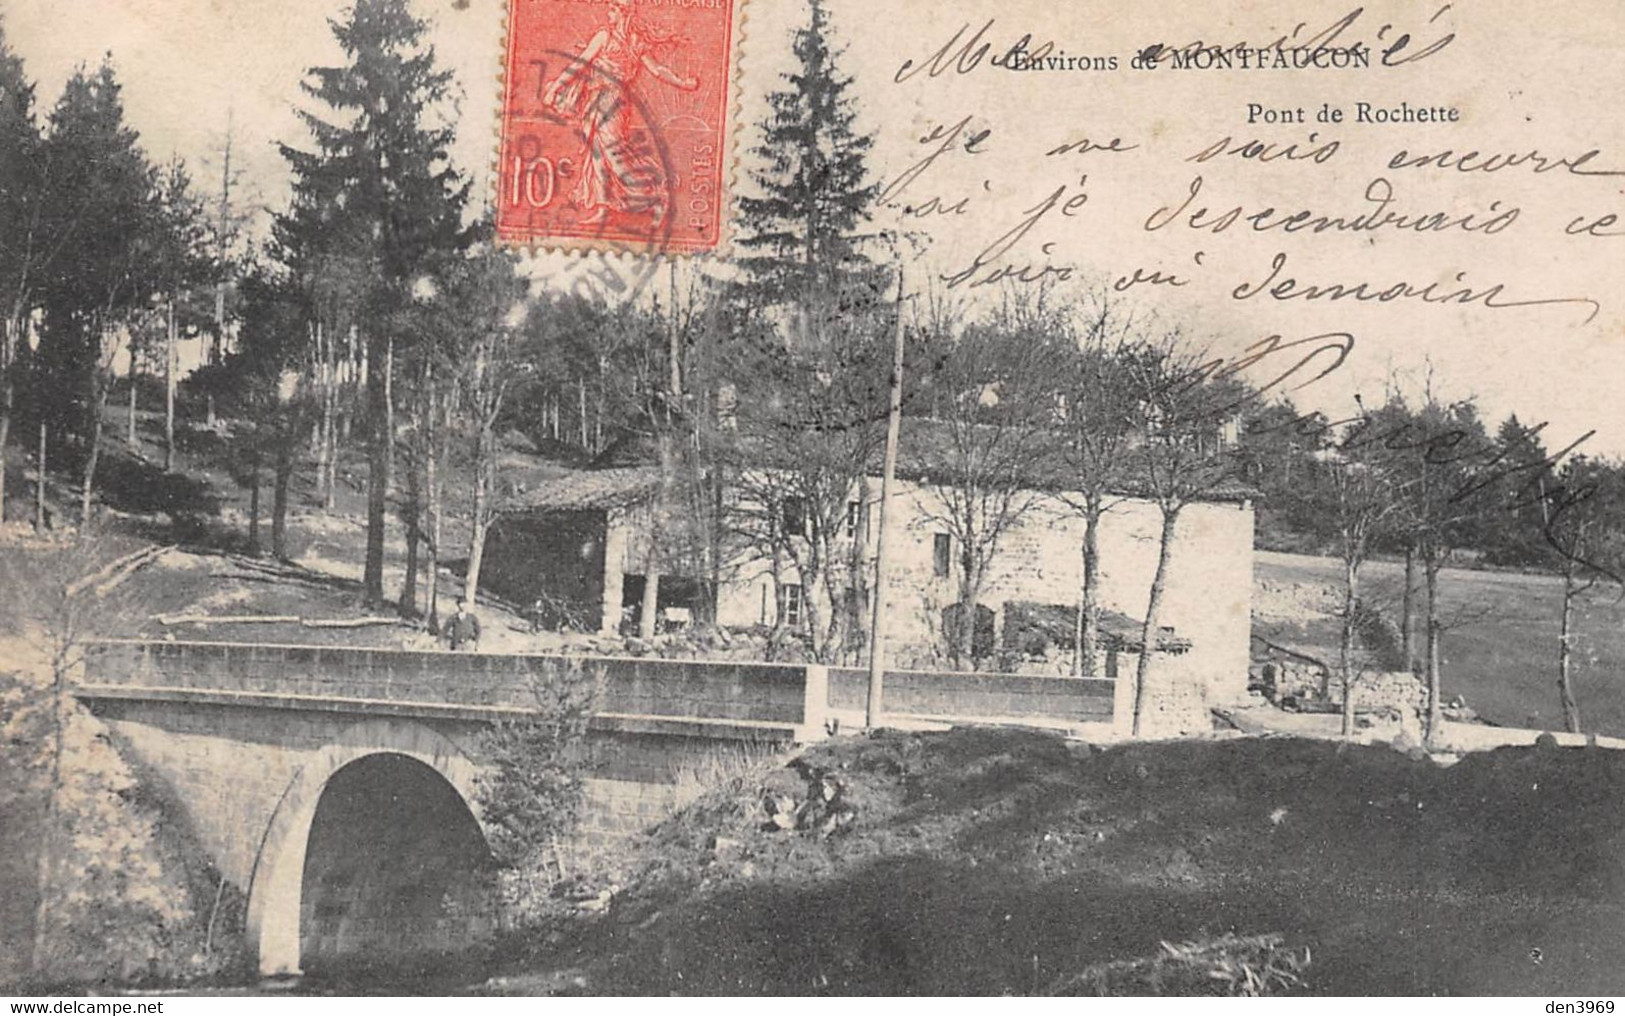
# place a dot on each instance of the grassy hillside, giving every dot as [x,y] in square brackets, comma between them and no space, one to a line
[988,862]
[1501,651]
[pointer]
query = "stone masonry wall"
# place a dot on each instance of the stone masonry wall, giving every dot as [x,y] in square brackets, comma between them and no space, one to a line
[676,688]
[1207,599]
[976,696]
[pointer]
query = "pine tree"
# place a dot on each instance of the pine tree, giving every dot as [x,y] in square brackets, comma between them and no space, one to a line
[19,193]
[810,335]
[97,219]
[182,263]
[1515,535]
[19,172]
[816,197]
[373,203]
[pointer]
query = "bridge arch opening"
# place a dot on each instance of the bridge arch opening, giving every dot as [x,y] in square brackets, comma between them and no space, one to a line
[397,875]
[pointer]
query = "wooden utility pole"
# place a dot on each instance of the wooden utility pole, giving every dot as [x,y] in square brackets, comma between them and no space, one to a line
[894,423]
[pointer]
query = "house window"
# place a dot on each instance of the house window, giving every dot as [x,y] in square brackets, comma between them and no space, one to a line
[792,606]
[852,510]
[794,510]
[942,546]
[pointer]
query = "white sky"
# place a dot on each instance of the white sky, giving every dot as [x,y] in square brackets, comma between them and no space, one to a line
[1549,83]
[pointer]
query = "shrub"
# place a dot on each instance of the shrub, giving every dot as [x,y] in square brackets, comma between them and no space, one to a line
[1229,965]
[529,791]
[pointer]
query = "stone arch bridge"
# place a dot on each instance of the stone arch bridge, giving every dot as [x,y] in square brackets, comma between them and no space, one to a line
[337,788]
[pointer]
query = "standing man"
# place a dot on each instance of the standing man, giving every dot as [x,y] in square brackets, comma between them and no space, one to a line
[463,628]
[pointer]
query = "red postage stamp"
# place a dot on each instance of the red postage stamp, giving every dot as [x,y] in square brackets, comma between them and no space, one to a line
[615,121]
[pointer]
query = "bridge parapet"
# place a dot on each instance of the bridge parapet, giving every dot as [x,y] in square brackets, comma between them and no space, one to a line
[1065,702]
[310,676]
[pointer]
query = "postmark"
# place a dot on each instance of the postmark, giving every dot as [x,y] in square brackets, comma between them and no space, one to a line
[615,125]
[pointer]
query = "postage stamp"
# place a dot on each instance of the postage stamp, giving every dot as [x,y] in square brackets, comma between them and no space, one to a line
[615,124]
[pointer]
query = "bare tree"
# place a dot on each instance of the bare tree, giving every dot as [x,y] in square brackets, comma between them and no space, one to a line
[1179,459]
[60,598]
[989,442]
[1098,422]
[1360,497]
[1439,456]
[1586,530]
[486,296]
[804,442]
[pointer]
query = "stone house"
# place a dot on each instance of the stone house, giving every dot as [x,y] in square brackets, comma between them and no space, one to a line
[578,549]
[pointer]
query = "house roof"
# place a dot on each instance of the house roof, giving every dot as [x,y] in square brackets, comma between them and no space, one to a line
[627,473]
[587,490]
[932,451]
[935,451]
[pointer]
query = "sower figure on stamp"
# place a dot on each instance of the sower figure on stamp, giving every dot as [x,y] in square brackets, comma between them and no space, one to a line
[622,173]
[464,628]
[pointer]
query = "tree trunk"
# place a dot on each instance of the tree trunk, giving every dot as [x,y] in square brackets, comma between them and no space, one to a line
[1153,606]
[254,503]
[5,438]
[832,591]
[279,503]
[39,485]
[1345,648]
[970,592]
[53,817]
[378,447]
[408,605]
[674,353]
[649,609]
[8,343]
[1407,610]
[714,539]
[330,451]
[431,480]
[1087,642]
[169,391]
[814,580]
[130,438]
[479,522]
[99,392]
[775,637]
[389,408]
[581,390]
[327,368]
[857,595]
[1565,687]
[1435,704]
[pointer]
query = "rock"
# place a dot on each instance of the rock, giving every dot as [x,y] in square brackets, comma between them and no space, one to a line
[781,811]
[721,845]
[1546,741]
